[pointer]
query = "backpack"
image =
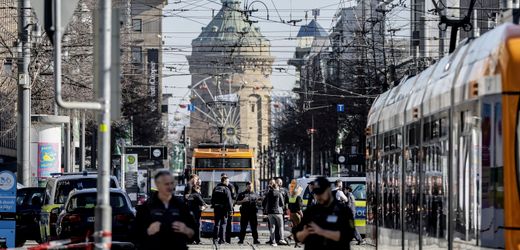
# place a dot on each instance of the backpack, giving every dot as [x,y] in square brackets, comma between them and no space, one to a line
[335,195]
[219,196]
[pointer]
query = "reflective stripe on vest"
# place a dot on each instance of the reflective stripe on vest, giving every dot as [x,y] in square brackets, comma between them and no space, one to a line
[292,199]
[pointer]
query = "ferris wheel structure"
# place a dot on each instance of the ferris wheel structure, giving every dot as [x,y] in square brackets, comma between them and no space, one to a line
[216,103]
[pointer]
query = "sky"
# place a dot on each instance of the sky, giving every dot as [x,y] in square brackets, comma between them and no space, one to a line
[183,20]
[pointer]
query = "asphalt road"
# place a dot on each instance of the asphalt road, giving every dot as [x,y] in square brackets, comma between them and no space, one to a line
[248,244]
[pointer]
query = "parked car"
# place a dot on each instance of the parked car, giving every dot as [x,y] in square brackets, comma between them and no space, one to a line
[76,221]
[28,206]
[56,193]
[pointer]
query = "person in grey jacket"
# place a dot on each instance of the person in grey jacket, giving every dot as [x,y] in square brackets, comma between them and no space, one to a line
[273,204]
[352,206]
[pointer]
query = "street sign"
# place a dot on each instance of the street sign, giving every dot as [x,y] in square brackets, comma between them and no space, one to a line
[159,153]
[355,159]
[341,159]
[191,107]
[45,14]
[131,162]
[7,209]
[148,152]
[340,107]
[142,152]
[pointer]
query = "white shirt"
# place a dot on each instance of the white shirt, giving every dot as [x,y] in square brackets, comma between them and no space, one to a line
[341,196]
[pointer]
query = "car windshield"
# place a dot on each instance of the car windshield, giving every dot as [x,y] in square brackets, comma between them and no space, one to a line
[20,197]
[88,201]
[64,187]
[359,190]
[25,197]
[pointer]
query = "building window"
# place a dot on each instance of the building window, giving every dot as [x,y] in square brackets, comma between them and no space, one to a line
[137,55]
[252,108]
[137,25]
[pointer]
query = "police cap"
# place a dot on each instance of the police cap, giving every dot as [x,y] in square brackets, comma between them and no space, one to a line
[321,184]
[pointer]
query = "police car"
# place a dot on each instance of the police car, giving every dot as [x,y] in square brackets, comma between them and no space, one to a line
[57,191]
[358,185]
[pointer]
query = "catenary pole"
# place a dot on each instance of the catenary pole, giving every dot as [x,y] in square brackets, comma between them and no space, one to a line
[103,223]
[24,94]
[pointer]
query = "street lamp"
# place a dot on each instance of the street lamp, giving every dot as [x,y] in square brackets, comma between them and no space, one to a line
[311,132]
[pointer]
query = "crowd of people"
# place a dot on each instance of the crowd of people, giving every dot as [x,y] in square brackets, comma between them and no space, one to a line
[166,222]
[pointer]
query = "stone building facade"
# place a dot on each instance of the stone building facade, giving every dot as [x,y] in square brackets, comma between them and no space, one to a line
[231,55]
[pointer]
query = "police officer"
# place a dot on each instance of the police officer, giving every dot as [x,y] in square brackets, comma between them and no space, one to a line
[326,225]
[230,218]
[248,210]
[223,208]
[163,222]
[196,205]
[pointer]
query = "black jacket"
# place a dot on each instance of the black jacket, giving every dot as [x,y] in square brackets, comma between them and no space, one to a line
[273,202]
[336,217]
[195,203]
[295,204]
[250,206]
[222,202]
[154,210]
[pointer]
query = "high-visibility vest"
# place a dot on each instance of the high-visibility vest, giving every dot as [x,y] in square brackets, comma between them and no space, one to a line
[292,199]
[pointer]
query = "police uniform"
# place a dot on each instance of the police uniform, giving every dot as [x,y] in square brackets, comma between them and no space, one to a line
[334,217]
[154,210]
[248,212]
[229,225]
[295,207]
[195,204]
[222,207]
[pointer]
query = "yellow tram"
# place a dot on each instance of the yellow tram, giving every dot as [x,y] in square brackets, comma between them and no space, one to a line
[443,166]
[212,160]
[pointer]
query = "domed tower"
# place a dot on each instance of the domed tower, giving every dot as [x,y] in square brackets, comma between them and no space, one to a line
[231,66]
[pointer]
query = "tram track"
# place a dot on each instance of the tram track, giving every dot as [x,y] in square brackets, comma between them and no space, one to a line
[248,244]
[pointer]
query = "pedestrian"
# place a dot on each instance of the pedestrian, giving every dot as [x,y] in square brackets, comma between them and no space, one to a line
[273,204]
[196,205]
[326,225]
[351,203]
[338,193]
[308,197]
[230,218]
[194,179]
[248,211]
[295,208]
[223,207]
[285,194]
[163,221]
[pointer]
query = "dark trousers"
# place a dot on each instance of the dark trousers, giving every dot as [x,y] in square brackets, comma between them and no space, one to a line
[228,228]
[219,228]
[248,218]
[196,236]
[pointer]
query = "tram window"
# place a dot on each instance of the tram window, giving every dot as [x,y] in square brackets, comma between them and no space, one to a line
[223,163]
[426,131]
[411,136]
[444,127]
[435,129]
[434,197]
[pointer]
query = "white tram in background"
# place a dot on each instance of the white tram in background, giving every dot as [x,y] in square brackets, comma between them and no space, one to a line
[442,152]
